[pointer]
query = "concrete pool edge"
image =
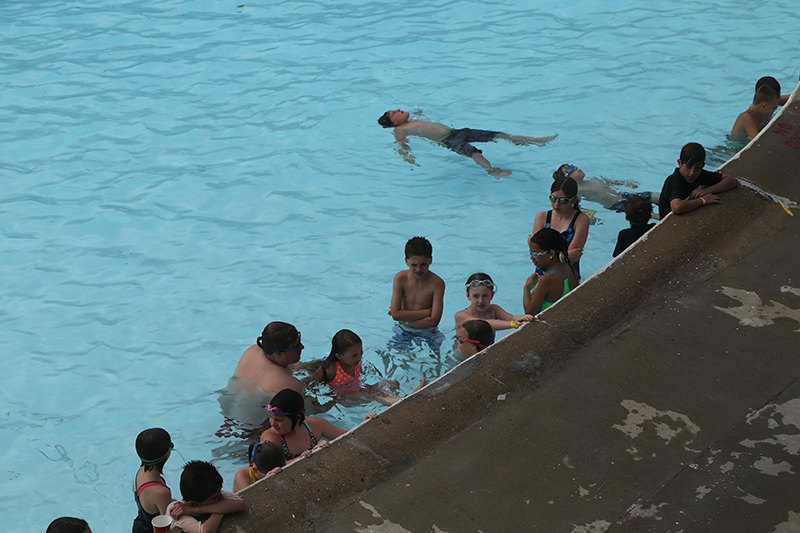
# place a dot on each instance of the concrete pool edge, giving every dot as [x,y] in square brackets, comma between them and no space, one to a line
[681,252]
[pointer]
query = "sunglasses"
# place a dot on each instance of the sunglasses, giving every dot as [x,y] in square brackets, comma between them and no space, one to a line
[560,200]
[478,283]
[461,339]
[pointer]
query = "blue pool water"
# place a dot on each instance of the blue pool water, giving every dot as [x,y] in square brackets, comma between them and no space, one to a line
[176,175]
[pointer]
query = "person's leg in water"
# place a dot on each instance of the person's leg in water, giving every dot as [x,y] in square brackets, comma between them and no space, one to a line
[522,140]
[493,171]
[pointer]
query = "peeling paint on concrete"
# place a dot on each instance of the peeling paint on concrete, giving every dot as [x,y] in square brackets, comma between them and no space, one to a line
[582,492]
[640,413]
[727,467]
[637,511]
[701,492]
[753,500]
[753,312]
[790,290]
[792,525]
[597,526]
[767,466]
[385,527]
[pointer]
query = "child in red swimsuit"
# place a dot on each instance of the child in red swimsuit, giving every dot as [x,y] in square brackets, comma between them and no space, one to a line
[342,369]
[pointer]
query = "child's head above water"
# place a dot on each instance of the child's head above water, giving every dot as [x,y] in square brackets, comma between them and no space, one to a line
[568,171]
[639,210]
[200,482]
[347,348]
[693,154]
[277,337]
[769,81]
[393,118]
[420,247]
[266,455]
[479,279]
[153,447]
[569,187]
[473,336]
[549,240]
[288,403]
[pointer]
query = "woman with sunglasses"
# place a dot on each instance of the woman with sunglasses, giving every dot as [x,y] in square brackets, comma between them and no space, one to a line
[480,291]
[295,433]
[566,218]
[548,250]
[473,336]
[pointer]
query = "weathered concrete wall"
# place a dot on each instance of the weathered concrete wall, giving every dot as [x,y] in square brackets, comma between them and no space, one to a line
[681,254]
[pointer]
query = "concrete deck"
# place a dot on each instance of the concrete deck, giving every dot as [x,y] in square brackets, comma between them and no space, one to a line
[661,395]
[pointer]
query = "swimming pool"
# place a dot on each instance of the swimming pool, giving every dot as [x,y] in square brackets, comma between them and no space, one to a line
[178,175]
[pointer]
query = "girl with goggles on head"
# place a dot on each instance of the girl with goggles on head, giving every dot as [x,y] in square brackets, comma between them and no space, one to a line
[480,291]
[473,336]
[566,218]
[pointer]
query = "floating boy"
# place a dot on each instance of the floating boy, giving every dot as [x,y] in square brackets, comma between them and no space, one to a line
[457,140]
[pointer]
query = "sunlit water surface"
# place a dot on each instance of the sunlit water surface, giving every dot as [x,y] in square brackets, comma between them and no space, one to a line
[177,175]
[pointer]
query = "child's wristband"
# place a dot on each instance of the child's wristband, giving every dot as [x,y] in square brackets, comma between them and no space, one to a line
[513,324]
[704,200]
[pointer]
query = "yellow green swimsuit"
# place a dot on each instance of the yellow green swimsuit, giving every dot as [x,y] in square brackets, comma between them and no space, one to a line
[545,303]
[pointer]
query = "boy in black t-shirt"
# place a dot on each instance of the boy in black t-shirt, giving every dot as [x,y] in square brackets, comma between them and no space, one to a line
[690,187]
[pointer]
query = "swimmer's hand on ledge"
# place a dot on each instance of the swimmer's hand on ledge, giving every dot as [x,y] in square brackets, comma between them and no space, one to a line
[522,319]
[370,416]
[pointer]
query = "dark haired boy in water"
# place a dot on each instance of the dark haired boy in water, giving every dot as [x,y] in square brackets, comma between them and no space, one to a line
[769,81]
[417,298]
[638,213]
[755,117]
[457,140]
[690,187]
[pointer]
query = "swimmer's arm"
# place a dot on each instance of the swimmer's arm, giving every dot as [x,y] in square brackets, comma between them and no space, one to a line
[230,503]
[461,317]
[725,184]
[403,148]
[537,298]
[327,430]
[437,309]
[396,310]
[504,319]
[530,284]
[579,240]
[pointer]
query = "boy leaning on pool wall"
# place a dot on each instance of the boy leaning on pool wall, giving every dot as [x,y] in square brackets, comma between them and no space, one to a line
[690,187]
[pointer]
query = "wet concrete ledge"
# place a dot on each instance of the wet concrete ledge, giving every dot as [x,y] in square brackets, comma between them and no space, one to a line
[610,313]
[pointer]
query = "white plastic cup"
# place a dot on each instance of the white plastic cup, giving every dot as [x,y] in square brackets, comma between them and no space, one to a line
[162,523]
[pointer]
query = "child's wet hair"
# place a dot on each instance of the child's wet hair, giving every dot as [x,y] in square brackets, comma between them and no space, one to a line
[341,342]
[419,246]
[480,276]
[549,239]
[769,81]
[569,187]
[693,154]
[560,172]
[277,336]
[766,95]
[479,330]
[153,446]
[68,524]
[290,402]
[385,121]
[199,481]
[265,456]
[639,210]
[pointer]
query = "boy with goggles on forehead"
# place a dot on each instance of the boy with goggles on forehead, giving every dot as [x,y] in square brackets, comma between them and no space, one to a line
[457,140]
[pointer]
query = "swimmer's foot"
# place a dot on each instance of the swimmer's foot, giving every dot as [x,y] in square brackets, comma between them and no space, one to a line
[498,172]
[520,140]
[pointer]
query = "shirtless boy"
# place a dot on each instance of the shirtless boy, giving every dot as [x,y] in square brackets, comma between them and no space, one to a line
[750,122]
[456,140]
[417,298]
